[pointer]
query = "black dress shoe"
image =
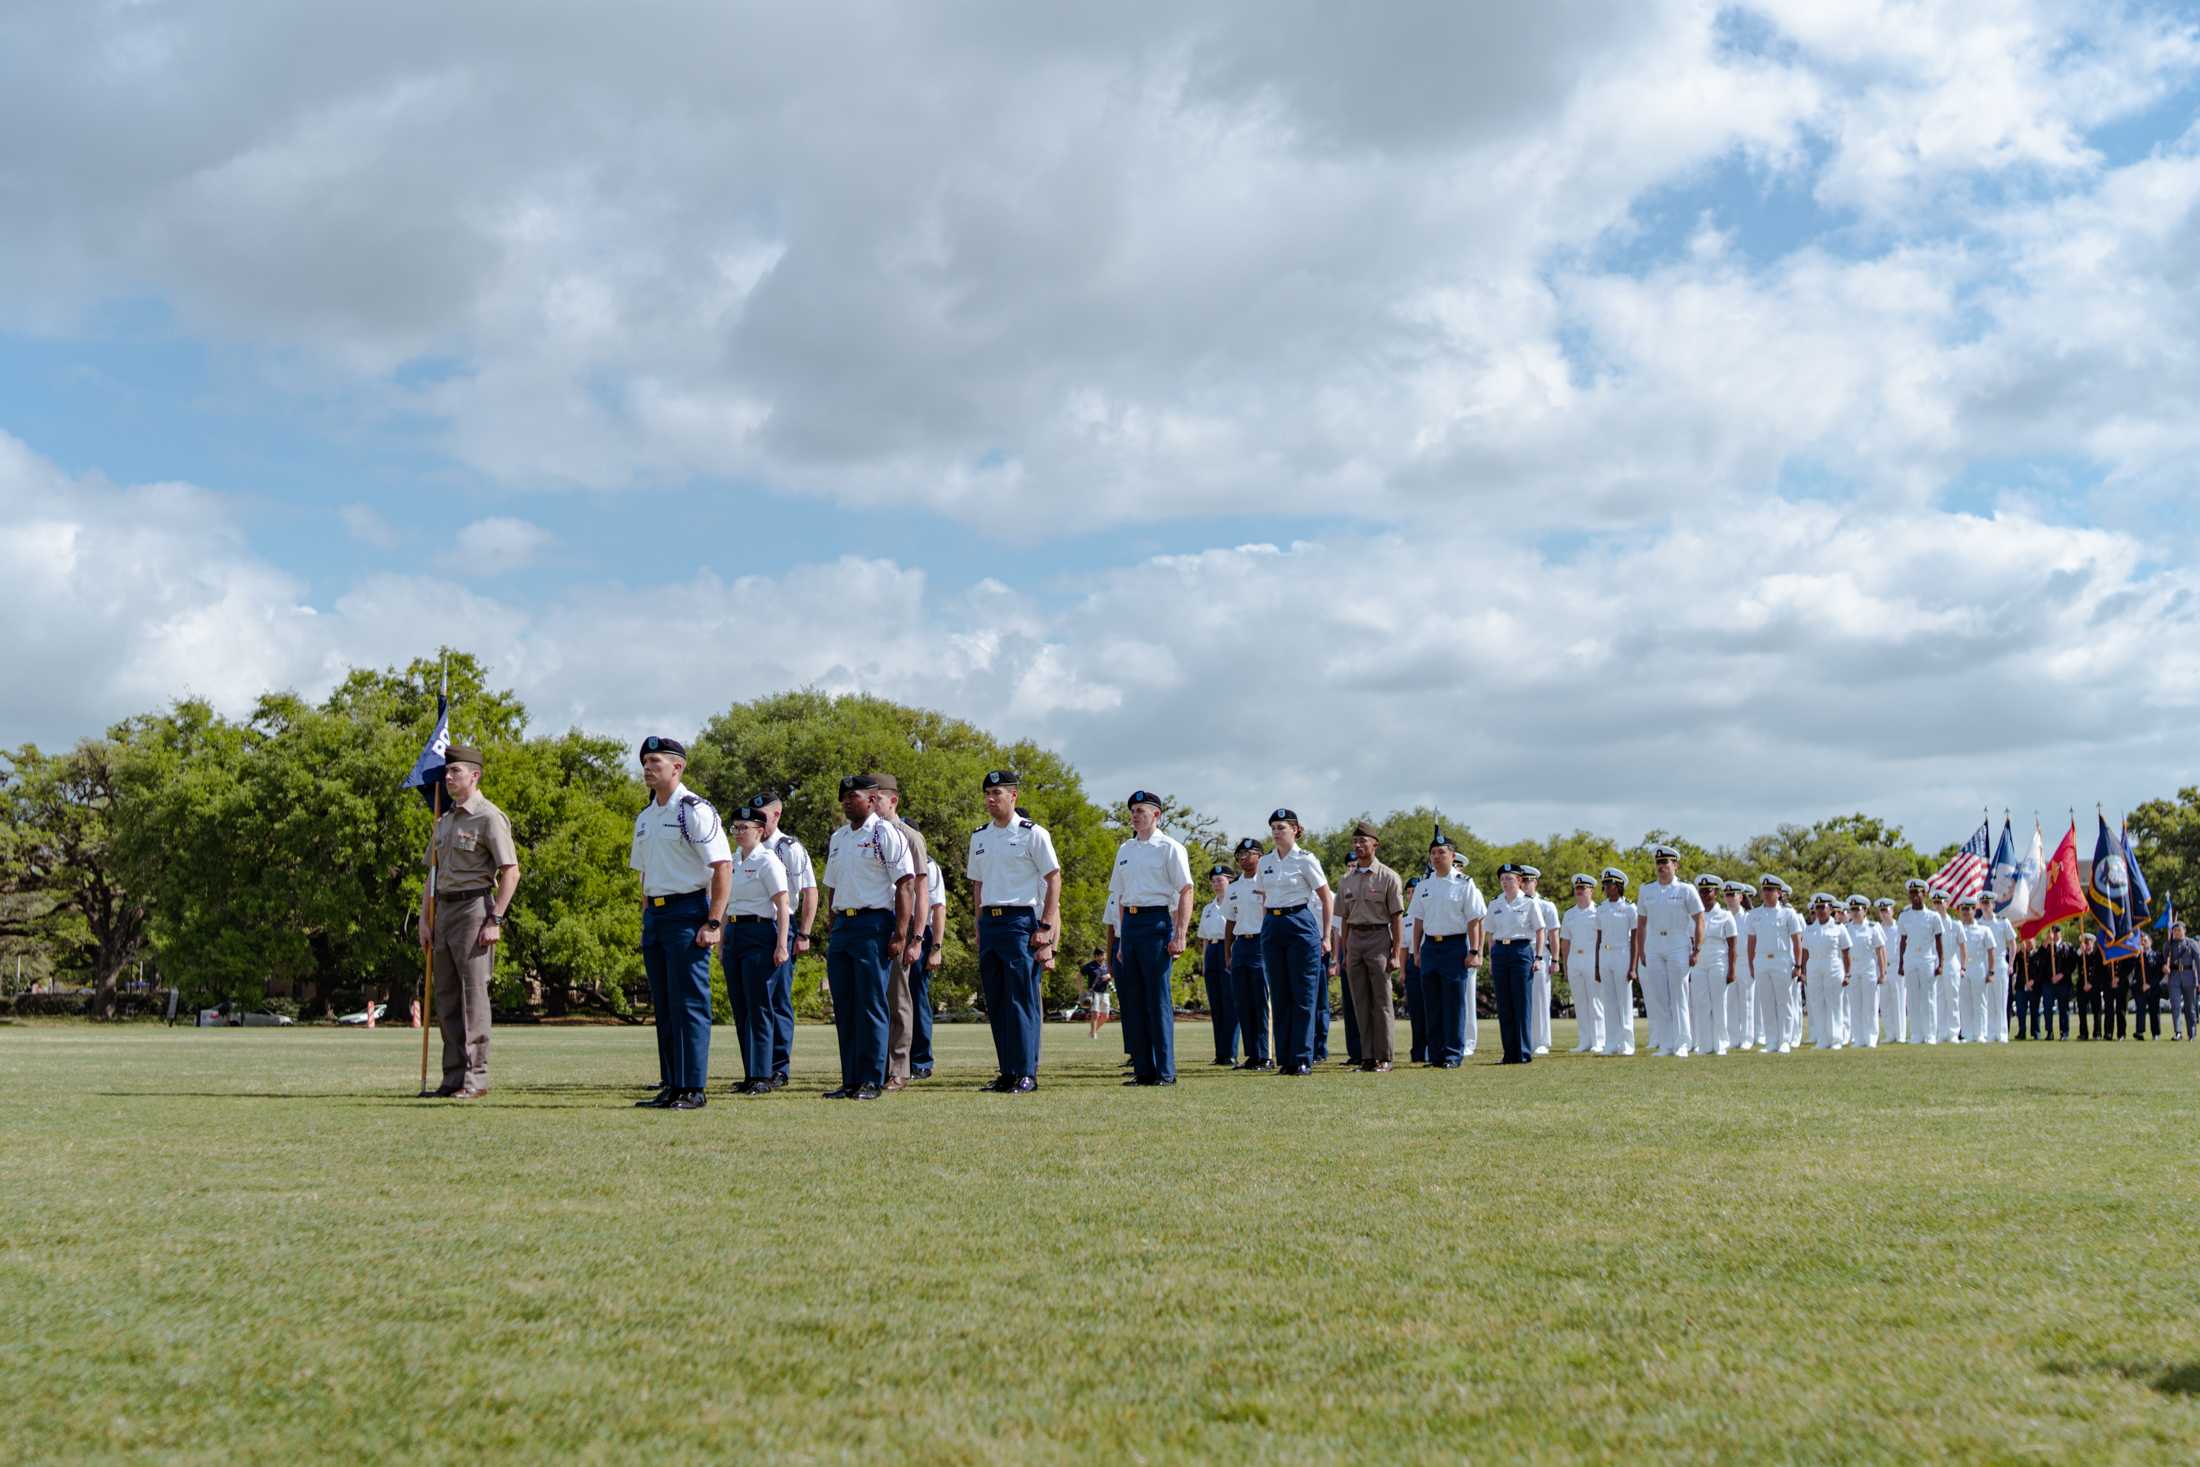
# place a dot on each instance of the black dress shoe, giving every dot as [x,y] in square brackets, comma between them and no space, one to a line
[1232,1064]
[866,1092]
[1296,1070]
[1134,1080]
[662,1100]
[1024,1085]
[841,1094]
[753,1088]
[689,1100]
[921,1074]
[998,1085]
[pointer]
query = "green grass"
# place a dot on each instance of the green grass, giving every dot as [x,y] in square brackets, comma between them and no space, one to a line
[222,1246]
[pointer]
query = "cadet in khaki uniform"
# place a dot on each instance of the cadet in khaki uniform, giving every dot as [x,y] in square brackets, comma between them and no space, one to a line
[1371,905]
[901,1002]
[476,872]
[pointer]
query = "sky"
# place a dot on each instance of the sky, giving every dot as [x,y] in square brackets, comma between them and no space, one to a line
[1621,415]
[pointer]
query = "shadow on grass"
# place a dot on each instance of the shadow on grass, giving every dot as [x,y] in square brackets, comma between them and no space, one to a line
[2175,1380]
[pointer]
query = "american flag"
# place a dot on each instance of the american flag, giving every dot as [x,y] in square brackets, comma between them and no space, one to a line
[1965,875]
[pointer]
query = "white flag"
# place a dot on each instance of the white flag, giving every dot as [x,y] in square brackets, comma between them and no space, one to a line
[2028,893]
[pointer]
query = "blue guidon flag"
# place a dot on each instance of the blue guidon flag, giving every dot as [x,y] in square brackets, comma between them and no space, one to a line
[427,770]
[2108,893]
[2138,903]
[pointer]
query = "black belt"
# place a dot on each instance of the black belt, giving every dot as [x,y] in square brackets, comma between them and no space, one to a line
[1150,909]
[1279,911]
[1440,936]
[1512,942]
[744,917]
[856,911]
[1367,926]
[1004,911]
[462,896]
[678,896]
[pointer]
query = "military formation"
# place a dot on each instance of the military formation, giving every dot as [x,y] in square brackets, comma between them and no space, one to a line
[1718,966]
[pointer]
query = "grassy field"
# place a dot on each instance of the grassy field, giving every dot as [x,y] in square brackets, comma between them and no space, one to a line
[223,1246]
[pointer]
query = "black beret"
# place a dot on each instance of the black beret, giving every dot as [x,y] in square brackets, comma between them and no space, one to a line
[995,778]
[855,782]
[1144,797]
[886,782]
[764,799]
[1248,844]
[1283,817]
[659,744]
[1218,869]
[748,815]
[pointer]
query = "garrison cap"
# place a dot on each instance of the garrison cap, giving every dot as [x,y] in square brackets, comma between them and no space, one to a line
[886,782]
[995,778]
[1583,878]
[1362,827]
[1282,816]
[1613,873]
[659,744]
[1664,853]
[463,754]
[1144,797]
[1248,844]
[747,815]
[850,784]
[1529,871]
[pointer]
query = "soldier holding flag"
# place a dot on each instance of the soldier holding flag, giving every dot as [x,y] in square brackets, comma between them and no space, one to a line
[474,871]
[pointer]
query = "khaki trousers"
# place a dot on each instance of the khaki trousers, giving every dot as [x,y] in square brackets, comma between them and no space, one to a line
[1367,989]
[462,968]
[901,1020]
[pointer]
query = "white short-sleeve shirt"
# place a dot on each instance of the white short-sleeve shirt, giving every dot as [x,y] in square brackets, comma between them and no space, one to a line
[866,862]
[676,843]
[1445,905]
[1822,944]
[1150,873]
[757,878]
[1010,863]
[1289,880]
[1577,928]
[1244,904]
[1669,915]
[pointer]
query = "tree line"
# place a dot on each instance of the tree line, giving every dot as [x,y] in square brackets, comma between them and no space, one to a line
[274,854]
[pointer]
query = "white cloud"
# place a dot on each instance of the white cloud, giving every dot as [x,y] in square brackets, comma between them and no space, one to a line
[497,546]
[369,526]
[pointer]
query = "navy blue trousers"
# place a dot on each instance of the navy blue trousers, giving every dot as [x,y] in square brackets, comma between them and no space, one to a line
[781,1004]
[920,1004]
[1512,968]
[2028,1010]
[1444,985]
[856,964]
[1008,975]
[1328,963]
[1149,1016]
[746,956]
[1291,951]
[679,987]
[2057,1006]
[1221,1003]
[1416,1012]
[1249,980]
[1115,969]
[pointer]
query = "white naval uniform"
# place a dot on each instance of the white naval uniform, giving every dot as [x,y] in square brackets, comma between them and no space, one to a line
[1741,994]
[1539,986]
[1578,929]
[1795,926]
[1949,994]
[1669,914]
[1869,949]
[1922,936]
[1891,1007]
[1773,970]
[1613,957]
[1981,994]
[1824,976]
[1707,985]
[2005,961]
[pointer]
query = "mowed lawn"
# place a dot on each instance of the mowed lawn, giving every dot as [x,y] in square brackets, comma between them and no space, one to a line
[222,1246]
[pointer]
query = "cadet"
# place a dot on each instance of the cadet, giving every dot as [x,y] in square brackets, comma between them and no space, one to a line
[801,918]
[1416,995]
[1975,944]
[687,869]
[1447,917]
[1152,885]
[2184,983]
[1514,920]
[1546,958]
[1668,938]
[2063,963]
[2092,987]
[1335,964]
[1948,992]
[1248,974]
[755,946]
[2146,990]
[1371,904]
[931,952]
[1890,974]
[1795,926]
[1016,894]
[1924,947]
[2111,1025]
[1295,914]
[1214,964]
[1827,960]
[875,895]
[2035,975]
[1614,968]
[1714,970]
[2005,949]
[1770,948]
[1868,970]
[901,1000]
[1577,952]
[1741,987]
[474,871]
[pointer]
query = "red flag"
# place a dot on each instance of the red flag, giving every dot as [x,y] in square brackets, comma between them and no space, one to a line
[2065,894]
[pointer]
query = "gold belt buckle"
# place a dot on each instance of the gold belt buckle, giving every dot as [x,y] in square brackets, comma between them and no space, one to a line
[847,911]
[656,901]
[995,911]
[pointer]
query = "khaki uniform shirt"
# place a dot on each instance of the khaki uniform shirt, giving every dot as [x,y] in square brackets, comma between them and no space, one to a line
[1369,896]
[470,843]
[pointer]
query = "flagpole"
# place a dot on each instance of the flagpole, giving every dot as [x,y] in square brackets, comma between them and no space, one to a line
[427,948]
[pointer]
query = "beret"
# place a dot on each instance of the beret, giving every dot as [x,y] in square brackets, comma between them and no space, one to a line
[748,815]
[1283,816]
[464,754]
[659,744]
[886,782]
[1440,839]
[1248,844]
[1144,797]
[855,782]
[995,778]
[1218,869]
[764,799]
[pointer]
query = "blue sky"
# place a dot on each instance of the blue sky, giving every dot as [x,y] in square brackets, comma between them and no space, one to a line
[1214,379]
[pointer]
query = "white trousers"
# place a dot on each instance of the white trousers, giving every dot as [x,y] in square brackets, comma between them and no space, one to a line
[1741,1013]
[1891,1010]
[1951,1003]
[1616,997]
[1539,1009]
[1775,992]
[1997,1007]
[1707,990]
[1921,997]
[1829,1011]
[1588,1009]
[1980,993]
[1795,1013]
[1474,1025]
[1665,994]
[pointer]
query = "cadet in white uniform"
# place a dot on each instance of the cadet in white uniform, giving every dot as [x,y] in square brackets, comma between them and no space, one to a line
[1613,970]
[755,945]
[1741,992]
[1890,988]
[1577,952]
[1868,969]
[1296,907]
[1546,959]
[1712,972]
[1948,993]
[2005,961]
[1016,896]
[1769,946]
[1248,971]
[1214,965]
[1795,925]
[1827,957]
[1918,959]
[801,918]
[686,866]
[1446,930]
[873,879]
[1514,920]
[1152,884]
[1981,950]
[1669,935]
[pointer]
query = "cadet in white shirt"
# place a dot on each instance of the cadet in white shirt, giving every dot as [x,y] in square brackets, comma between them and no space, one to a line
[1770,946]
[755,946]
[1152,884]
[1016,893]
[1546,959]
[1826,965]
[1795,924]
[1948,992]
[1924,947]
[1214,965]
[2005,960]
[1296,911]
[1741,988]
[686,866]
[1867,968]
[1577,954]
[876,893]
[1669,935]
[1446,920]
[1981,949]
[1614,968]
[1712,972]
[1248,971]
[1513,922]
[1891,986]
[801,918]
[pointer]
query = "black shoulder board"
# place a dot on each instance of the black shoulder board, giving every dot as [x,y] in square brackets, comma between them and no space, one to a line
[1023,825]
[981,829]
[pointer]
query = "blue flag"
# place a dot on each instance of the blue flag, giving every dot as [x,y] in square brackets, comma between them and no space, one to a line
[2108,893]
[2001,881]
[2139,910]
[2168,917]
[427,770]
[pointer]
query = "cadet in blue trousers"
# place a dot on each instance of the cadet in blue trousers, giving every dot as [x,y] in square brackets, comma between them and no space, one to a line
[874,900]
[1152,886]
[755,946]
[1248,972]
[1296,911]
[1513,921]
[801,917]
[1016,890]
[1447,918]
[686,868]
[1214,965]
[1416,1001]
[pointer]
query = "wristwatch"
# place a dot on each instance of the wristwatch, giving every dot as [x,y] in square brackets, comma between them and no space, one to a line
[712,922]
